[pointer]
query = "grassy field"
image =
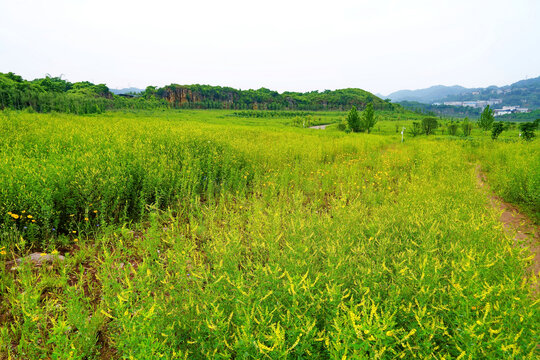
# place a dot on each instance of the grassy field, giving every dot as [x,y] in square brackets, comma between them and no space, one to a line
[199,234]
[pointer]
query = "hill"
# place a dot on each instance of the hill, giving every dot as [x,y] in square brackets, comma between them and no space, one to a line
[56,94]
[428,95]
[524,93]
[217,97]
[130,90]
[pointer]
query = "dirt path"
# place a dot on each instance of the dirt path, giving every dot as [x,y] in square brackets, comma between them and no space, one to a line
[320,127]
[525,232]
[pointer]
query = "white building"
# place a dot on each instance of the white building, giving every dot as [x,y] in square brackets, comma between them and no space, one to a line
[510,110]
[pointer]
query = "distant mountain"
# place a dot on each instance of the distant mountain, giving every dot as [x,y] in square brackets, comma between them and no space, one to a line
[524,93]
[428,95]
[126,90]
[528,83]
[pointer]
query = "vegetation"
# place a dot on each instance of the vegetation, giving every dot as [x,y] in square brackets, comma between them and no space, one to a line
[216,97]
[452,128]
[56,94]
[191,234]
[498,128]
[527,129]
[368,118]
[429,125]
[486,119]
[525,93]
[353,120]
[530,116]
[513,170]
[466,127]
[441,110]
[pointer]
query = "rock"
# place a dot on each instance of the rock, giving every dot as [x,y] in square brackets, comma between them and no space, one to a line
[37,259]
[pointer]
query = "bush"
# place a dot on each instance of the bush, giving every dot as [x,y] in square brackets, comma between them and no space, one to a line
[498,128]
[416,129]
[429,124]
[353,119]
[452,128]
[342,126]
[486,119]
[527,130]
[466,127]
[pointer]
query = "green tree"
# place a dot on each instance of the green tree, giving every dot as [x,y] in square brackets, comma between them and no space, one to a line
[497,129]
[486,119]
[353,119]
[368,118]
[452,128]
[416,129]
[429,124]
[466,126]
[527,130]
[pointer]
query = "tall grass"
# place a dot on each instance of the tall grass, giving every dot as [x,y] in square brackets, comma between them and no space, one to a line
[513,170]
[308,244]
[69,173]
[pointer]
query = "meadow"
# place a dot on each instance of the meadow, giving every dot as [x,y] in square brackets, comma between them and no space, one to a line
[202,234]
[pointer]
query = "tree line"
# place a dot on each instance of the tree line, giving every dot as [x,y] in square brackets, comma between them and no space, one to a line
[57,94]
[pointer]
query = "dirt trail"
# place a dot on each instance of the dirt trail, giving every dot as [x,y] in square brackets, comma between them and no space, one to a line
[320,127]
[525,232]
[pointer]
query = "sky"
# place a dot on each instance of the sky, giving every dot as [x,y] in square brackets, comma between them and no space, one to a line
[380,46]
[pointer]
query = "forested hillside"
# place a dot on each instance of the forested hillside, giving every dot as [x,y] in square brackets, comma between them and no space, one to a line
[56,94]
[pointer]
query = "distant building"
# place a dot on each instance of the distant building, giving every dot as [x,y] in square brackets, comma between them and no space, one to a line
[473,103]
[453,103]
[499,112]
[510,110]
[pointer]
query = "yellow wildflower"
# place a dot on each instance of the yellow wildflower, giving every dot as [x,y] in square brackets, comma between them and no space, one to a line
[85,219]
[15,216]
[75,240]
[29,216]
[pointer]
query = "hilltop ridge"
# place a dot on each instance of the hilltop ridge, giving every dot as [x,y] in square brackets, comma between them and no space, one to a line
[57,94]
[525,93]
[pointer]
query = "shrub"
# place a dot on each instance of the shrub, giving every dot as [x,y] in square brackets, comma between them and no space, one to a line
[486,119]
[429,124]
[452,128]
[353,119]
[527,130]
[466,127]
[498,128]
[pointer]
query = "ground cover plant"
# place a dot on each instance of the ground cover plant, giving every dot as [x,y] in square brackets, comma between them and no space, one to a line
[197,234]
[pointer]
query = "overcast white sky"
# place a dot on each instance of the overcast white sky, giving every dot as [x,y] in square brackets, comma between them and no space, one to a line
[380,46]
